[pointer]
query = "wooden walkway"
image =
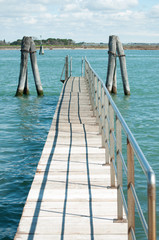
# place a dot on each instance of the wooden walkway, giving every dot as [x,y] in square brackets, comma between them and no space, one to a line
[70,197]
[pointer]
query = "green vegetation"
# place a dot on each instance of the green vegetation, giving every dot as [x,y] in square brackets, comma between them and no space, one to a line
[16,43]
[69,43]
[48,42]
[53,42]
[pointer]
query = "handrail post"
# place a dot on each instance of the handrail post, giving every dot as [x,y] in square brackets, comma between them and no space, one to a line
[93,95]
[90,85]
[106,105]
[103,117]
[96,99]
[88,81]
[99,106]
[70,66]
[66,68]
[151,209]
[86,66]
[119,169]
[130,199]
[112,146]
[82,67]
[92,89]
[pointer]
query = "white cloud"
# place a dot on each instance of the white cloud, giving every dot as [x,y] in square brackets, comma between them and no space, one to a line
[109,4]
[70,7]
[154,12]
[31,20]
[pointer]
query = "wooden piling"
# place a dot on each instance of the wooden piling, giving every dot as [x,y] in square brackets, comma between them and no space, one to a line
[26,87]
[35,68]
[41,51]
[28,46]
[114,86]
[111,82]
[111,63]
[122,60]
[25,46]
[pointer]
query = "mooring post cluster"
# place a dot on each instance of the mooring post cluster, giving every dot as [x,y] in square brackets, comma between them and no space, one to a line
[41,51]
[28,46]
[116,50]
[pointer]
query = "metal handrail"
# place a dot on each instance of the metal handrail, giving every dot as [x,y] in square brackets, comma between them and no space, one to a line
[96,87]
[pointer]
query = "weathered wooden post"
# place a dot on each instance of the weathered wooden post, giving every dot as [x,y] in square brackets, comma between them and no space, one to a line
[122,60]
[114,87]
[25,46]
[111,82]
[41,51]
[26,87]
[66,68]
[111,72]
[35,68]
[28,46]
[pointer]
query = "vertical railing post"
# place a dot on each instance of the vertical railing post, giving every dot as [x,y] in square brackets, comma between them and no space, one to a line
[66,68]
[96,98]
[112,145]
[93,95]
[91,86]
[92,76]
[88,80]
[86,68]
[151,188]
[87,72]
[130,199]
[70,66]
[82,68]
[106,113]
[103,118]
[119,169]
[99,106]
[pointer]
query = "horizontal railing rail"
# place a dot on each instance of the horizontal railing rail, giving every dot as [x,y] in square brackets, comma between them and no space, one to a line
[111,126]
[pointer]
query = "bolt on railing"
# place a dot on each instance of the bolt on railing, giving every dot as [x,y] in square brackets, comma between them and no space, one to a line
[111,126]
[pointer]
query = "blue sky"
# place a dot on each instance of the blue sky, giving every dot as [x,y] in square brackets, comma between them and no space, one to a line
[80,20]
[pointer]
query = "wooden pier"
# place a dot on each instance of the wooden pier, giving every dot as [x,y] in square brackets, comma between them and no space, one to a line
[71,197]
[77,192]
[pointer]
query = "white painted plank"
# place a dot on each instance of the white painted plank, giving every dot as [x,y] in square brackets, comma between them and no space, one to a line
[73,225]
[73,237]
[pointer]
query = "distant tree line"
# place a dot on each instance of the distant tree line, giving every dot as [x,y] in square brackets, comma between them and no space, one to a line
[49,41]
[17,42]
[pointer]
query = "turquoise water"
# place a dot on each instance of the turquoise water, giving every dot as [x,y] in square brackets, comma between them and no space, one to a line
[25,121]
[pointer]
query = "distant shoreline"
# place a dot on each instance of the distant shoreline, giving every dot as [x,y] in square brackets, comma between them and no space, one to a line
[126,47]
